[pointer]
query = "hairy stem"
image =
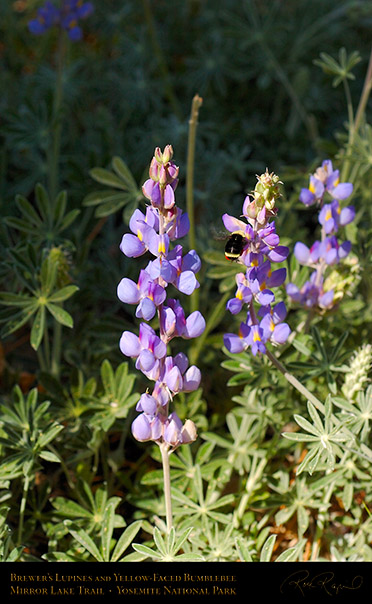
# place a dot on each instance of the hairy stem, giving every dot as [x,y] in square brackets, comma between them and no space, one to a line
[164,449]
[193,123]
[354,127]
[55,144]
[22,508]
[294,382]
[169,92]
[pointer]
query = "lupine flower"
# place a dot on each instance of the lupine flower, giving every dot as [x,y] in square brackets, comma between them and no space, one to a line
[261,247]
[325,179]
[319,292]
[67,17]
[153,233]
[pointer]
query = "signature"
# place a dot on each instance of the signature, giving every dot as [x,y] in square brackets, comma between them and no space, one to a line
[302,581]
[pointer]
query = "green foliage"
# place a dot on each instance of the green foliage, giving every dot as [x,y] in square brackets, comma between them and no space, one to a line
[275,474]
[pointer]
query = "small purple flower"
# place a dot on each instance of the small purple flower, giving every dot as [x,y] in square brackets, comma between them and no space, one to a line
[331,216]
[66,17]
[325,179]
[47,16]
[147,348]
[146,293]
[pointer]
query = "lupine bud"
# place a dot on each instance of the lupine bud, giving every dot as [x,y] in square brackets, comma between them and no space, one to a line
[357,376]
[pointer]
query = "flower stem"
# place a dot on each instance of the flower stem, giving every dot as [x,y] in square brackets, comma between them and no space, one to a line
[55,145]
[164,449]
[22,508]
[169,92]
[294,382]
[56,357]
[193,123]
[354,127]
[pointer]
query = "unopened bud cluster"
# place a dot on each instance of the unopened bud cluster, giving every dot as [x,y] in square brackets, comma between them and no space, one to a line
[357,376]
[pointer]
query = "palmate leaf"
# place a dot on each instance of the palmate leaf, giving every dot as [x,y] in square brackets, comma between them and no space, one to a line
[111,201]
[38,328]
[60,315]
[125,540]
[84,539]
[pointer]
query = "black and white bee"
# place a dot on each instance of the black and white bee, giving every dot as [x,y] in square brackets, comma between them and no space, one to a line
[235,245]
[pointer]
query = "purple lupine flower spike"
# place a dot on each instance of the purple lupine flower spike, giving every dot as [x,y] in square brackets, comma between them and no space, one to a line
[152,234]
[66,16]
[261,247]
[317,293]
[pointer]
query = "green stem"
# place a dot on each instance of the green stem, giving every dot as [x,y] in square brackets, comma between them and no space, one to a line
[46,347]
[40,357]
[320,523]
[353,128]
[22,509]
[164,449]
[173,101]
[57,348]
[193,123]
[55,145]
[210,324]
[295,383]
[63,466]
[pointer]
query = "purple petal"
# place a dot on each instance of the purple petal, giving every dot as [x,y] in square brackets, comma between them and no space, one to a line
[145,361]
[191,379]
[279,312]
[307,197]
[187,282]
[130,344]
[344,249]
[169,197]
[131,246]
[195,325]
[233,343]
[302,252]
[342,191]
[146,309]
[325,301]
[174,379]
[278,254]
[347,215]
[265,297]
[147,403]
[141,429]
[128,291]
[234,305]
[181,361]
[281,333]
[191,262]
[233,224]
[277,277]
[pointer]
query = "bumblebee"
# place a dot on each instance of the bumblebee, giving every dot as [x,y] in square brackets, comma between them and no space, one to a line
[235,246]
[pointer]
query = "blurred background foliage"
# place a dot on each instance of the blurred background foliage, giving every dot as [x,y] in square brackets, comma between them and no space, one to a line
[126,88]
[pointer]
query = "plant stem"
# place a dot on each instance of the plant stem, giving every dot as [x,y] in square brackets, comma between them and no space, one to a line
[22,508]
[55,145]
[211,323]
[294,381]
[354,127]
[193,123]
[164,449]
[173,101]
[46,347]
[56,356]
